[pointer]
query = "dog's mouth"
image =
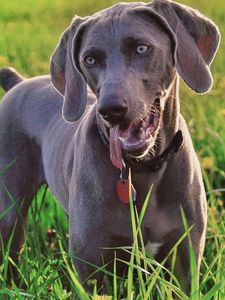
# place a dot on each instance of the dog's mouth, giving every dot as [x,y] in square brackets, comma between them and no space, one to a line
[137,139]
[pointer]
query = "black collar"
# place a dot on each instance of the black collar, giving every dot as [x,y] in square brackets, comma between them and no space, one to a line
[150,165]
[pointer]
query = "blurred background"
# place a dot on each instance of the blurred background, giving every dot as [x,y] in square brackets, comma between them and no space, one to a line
[29,31]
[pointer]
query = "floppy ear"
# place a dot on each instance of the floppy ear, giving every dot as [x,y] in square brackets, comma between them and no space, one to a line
[66,77]
[197,41]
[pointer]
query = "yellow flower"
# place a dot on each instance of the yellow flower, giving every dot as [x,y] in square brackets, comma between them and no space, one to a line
[207,162]
[103,297]
[222,112]
[213,211]
[220,202]
[3,60]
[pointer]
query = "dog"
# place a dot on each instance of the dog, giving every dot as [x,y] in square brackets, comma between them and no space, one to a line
[111,104]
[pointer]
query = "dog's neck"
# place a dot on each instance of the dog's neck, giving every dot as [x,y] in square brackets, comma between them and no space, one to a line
[171,113]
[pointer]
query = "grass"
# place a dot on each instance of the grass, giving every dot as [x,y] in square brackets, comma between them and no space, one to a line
[29,32]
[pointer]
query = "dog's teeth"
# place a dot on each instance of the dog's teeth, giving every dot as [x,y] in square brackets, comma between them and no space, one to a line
[134,144]
[148,134]
[148,138]
[142,135]
[155,122]
[123,140]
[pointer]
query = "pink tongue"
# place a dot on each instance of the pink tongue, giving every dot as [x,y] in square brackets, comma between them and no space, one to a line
[115,147]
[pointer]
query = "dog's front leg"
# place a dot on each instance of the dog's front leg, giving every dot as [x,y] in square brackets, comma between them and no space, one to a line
[86,248]
[98,224]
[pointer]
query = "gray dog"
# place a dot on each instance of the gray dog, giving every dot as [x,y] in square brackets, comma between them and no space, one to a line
[111,103]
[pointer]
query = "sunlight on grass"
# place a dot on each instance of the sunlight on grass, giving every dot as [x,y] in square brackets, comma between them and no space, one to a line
[46,267]
[29,32]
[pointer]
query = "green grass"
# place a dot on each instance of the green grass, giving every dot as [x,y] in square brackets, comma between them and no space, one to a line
[29,32]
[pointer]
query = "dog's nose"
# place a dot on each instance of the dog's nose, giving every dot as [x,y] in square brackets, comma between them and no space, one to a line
[113,109]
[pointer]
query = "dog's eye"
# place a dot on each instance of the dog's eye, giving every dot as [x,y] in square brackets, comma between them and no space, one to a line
[89,60]
[142,49]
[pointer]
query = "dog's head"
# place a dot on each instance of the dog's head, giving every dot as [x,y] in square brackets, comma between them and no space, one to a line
[129,56]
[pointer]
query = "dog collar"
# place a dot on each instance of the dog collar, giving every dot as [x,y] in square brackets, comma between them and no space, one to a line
[150,165]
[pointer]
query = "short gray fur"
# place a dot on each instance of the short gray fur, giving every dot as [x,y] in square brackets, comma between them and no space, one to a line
[71,156]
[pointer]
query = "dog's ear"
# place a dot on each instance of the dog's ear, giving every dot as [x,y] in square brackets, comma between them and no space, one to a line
[197,41]
[65,74]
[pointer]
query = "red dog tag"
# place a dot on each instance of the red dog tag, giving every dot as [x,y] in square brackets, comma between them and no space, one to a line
[122,189]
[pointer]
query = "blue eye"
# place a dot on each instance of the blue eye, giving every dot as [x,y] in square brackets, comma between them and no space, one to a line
[142,49]
[89,60]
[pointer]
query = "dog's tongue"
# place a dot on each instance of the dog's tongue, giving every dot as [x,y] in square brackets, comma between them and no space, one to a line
[115,147]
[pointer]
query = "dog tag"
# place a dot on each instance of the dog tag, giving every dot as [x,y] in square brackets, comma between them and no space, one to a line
[122,189]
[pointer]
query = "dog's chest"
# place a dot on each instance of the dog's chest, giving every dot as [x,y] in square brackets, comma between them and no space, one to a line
[158,223]
[153,248]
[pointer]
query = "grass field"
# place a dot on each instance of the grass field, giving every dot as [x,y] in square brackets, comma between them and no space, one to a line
[29,31]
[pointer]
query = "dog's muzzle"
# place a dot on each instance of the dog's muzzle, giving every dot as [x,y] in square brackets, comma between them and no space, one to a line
[133,139]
